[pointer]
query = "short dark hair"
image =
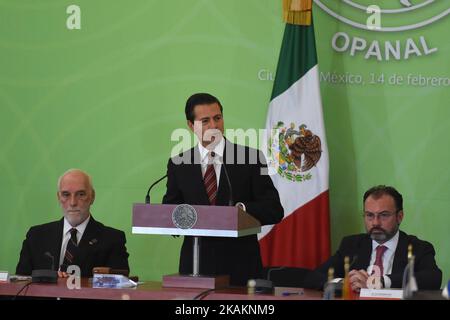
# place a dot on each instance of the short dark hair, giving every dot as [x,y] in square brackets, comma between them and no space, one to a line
[378,191]
[198,99]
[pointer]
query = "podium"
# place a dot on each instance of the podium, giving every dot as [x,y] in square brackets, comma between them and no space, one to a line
[197,221]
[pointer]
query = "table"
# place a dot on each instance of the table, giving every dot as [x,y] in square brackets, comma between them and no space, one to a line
[150,290]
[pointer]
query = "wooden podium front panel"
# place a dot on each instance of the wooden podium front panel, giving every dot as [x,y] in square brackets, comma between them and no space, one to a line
[161,216]
[214,221]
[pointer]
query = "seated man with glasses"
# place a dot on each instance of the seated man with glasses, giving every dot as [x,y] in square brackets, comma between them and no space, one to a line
[77,239]
[383,250]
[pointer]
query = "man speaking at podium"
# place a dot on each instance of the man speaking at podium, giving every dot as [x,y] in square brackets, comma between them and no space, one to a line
[200,175]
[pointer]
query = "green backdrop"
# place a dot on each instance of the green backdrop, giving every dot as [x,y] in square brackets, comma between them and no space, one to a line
[105,98]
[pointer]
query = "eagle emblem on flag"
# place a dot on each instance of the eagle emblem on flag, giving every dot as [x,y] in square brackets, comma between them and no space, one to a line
[294,150]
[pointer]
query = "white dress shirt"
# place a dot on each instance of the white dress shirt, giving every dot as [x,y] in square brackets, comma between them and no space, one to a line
[218,150]
[66,235]
[388,258]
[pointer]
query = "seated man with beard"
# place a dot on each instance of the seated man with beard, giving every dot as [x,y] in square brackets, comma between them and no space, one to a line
[77,238]
[383,246]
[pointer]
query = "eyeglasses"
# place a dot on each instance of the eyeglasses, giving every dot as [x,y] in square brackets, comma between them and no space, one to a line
[382,215]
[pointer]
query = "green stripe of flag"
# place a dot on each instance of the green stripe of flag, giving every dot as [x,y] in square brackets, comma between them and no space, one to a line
[297,56]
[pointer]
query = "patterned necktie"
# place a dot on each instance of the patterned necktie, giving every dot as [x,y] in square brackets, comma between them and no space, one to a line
[379,258]
[210,181]
[71,250]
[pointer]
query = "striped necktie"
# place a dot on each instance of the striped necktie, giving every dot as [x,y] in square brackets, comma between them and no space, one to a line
[210,181]
[71,250]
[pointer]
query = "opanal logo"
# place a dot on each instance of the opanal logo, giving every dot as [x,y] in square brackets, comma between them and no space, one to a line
[394,16]
[433,11]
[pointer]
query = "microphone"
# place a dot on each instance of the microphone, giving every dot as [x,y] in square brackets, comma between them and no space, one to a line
[273,269]
[45,275]
[147,197]
[48,254]
[230,200]
[264,285]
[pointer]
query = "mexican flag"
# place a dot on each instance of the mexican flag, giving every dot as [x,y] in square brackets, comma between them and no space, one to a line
[297,155]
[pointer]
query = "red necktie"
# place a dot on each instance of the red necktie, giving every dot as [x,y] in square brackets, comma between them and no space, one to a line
[379,258]
[210,181]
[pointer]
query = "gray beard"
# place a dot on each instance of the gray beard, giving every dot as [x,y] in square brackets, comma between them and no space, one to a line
[379,237]
[384,236]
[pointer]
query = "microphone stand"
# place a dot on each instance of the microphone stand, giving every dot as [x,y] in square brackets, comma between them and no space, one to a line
[147,197]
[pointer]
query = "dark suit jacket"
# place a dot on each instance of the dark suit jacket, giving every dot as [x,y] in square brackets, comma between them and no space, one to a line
[238,257]
[359,248]
[100,246]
